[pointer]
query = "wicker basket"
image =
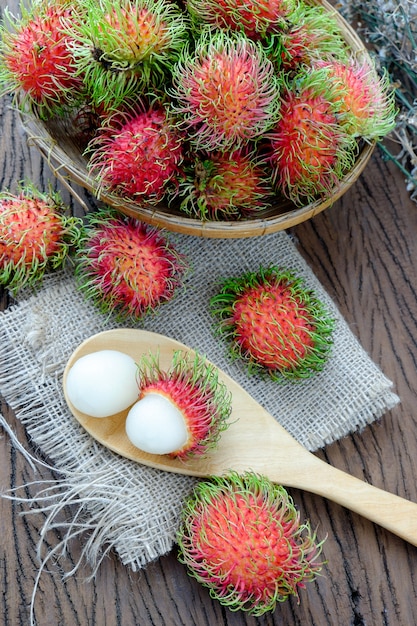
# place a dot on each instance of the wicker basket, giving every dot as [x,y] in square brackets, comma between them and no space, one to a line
[58,143]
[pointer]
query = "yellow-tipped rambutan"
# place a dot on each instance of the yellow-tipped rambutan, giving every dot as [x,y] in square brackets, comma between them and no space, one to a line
[225,90]
[274,323]
[242,538]
[125,267]
[35,235]
[367,101]
[195,409]
[126,47]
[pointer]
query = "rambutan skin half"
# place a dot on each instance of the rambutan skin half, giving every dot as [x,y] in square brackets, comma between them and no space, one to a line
[35,235]
[36,61]
[126,267]
[274,323]
[241,537]
[225,92]
[226,185]
[192,384]
[310,149]
[136,153]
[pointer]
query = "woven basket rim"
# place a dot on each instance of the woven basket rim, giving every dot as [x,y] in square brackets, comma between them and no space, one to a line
[56,146]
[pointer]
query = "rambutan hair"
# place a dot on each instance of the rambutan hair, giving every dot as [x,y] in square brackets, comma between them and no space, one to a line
[193,385]
[241,537]
[225,90]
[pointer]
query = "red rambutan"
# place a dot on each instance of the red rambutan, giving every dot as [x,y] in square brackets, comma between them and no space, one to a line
[136,153]
[226,91]
[228,185]
[241,537]
[274,323]
[126,267]
[253,17]
[35,235]
[191,387]
[311,151]
[36,60]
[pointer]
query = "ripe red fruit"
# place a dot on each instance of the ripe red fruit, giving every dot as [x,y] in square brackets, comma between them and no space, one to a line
[125,266]
[35,235]
[241,537]
[274,323]
[136,154]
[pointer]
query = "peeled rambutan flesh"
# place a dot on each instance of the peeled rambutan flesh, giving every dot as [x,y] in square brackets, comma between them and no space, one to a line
[125,266]
[136,154]
[35,236]
[37,62]
[226,185]
[274,323]
[241,537]
[191,386]
[225,91]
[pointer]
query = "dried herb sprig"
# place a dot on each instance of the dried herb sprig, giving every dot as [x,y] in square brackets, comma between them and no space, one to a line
[390,27]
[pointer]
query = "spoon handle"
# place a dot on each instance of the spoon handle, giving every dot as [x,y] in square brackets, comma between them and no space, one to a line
[390,511]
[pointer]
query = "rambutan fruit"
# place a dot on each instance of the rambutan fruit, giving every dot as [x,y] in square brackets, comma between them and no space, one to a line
[241,537]
[36,62]
[226,185]
[252,17]
[274,323]
[367,104]
[136,153]
[35,235]
[181,411]
[126,47]
[311,32]
[310,150]
[225,90]
[126,267]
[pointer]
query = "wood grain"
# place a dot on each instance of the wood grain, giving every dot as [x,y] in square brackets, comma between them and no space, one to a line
[363,250]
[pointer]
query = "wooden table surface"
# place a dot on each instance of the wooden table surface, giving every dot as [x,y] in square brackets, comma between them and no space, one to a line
[363,250]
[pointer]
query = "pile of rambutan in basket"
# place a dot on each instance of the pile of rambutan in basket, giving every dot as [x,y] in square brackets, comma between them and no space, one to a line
[219,109]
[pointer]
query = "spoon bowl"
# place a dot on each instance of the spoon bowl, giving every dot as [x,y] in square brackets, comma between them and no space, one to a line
[254,441]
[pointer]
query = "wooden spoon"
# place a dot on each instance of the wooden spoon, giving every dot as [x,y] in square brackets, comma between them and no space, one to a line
[254,442]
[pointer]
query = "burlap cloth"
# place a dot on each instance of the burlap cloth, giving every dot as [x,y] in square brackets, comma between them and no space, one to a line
[123,505]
